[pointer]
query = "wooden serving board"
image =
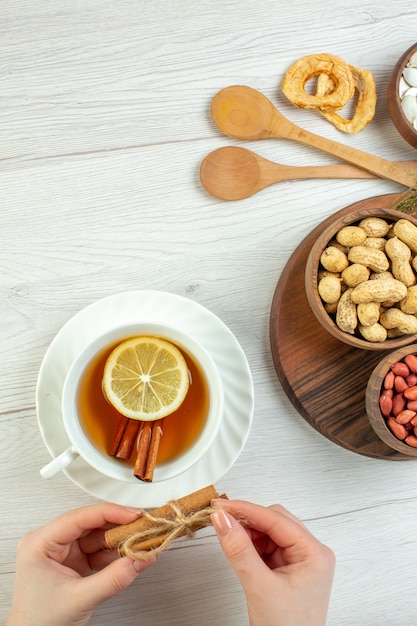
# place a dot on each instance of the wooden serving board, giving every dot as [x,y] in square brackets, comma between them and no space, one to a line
[324,378]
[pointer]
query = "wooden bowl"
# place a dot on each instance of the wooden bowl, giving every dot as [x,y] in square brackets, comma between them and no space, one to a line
[372,395]
[311,279]
[404,127]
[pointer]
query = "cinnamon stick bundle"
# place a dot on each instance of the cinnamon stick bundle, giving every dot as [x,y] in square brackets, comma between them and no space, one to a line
[191,507]
[146,436]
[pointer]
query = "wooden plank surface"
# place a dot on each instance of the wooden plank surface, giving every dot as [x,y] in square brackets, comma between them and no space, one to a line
[104,122]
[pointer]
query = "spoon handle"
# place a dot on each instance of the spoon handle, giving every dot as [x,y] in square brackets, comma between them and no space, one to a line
[396,172]
[298,172]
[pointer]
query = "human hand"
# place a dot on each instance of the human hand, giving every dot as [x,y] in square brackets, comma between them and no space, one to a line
[285,572]
[64,571]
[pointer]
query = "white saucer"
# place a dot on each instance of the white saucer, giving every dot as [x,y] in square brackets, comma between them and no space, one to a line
[159,307]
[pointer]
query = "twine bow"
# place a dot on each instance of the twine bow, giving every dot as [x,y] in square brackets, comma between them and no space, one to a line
[169,529]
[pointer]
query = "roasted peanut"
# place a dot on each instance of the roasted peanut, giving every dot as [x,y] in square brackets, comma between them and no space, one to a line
[411,393]
[411,380]
[333,259]
[400,384]
[400,369]
[330,289]
[380,275]
[351,236]
[409,303]
[355,274]
[330,307]
[346,316]
[407,232]
[397,429]
[375,333]
[376,260]
[411,362]
[398,404]
[339,246]
[385,404]
[405,416]
[379,291]
[322,273]
[395,318]
[389,380]
[400,255]
[377,243]
[393,333]
[374,226]
[368,313]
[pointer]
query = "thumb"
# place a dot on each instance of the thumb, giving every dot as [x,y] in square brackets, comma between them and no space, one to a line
[114,578]
[238,548]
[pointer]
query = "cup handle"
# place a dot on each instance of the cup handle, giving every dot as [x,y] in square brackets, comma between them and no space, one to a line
[59,463]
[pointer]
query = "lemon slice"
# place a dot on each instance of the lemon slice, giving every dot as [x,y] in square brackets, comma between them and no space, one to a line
[145,378]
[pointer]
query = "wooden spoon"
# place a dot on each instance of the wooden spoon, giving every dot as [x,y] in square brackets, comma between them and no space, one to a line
[234,173]
[244,113]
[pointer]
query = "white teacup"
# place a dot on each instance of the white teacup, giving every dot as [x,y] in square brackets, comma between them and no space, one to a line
[82,446]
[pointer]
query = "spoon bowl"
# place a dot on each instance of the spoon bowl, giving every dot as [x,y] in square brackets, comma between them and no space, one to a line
[244,113]
[232,173]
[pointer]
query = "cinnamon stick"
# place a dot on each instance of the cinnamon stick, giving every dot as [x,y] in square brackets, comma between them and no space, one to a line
[153,450]
[123,421]
[114,537]
[128,439]
[143,442]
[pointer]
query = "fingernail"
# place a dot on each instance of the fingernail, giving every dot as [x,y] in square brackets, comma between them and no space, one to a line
[139,565]
[131,509]
[221,522]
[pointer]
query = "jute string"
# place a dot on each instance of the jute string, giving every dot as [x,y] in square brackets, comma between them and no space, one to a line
[181,524]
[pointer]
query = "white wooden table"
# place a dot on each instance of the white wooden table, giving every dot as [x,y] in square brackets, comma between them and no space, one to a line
[104,121]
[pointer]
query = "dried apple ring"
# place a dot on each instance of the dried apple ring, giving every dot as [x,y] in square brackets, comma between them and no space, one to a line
[325,85]
[365,105]
[298,75]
